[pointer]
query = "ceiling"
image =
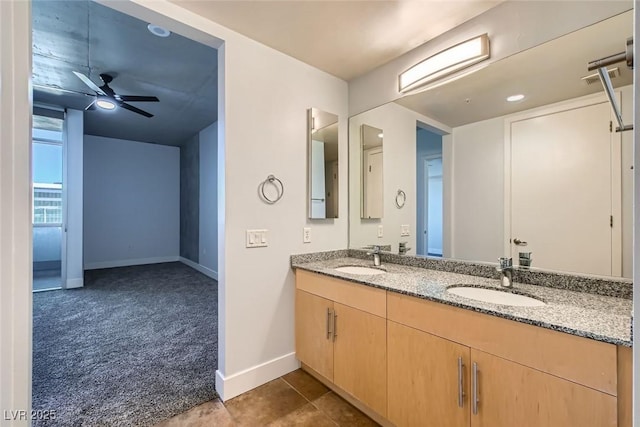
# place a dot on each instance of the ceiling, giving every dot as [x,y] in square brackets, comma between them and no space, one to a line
[87,37]
[545,74]
[343,38]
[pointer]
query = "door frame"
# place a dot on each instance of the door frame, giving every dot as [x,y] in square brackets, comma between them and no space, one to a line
[616,171]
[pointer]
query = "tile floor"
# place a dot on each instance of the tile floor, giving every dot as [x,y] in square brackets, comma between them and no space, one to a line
[296,399]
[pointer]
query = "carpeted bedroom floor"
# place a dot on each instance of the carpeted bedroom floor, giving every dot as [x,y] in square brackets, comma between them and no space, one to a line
[135,346]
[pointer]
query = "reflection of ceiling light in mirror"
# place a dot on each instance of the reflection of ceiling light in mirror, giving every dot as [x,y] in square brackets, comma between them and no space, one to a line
[515,98]
[158,31]
[443,63]
[105,104]
[380,135]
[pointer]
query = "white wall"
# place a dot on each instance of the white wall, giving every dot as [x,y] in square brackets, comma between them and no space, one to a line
[477,191]
[131,202]
[74,195]
[209,198]
[398,125]
[513,26]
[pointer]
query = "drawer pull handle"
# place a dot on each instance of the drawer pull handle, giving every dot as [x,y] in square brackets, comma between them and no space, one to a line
[474,380]
[460,382]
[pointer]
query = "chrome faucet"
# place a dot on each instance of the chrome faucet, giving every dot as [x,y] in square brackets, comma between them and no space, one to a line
[403,248]
[506,270]
[376,254]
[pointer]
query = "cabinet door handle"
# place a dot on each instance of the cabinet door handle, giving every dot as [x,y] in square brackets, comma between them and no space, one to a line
[328,323]
[474,380]
[335,325]
[460,382]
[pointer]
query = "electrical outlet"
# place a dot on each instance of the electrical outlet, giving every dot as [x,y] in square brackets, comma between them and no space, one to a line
[306,235]
[380,230]
[404,230]
[257,238]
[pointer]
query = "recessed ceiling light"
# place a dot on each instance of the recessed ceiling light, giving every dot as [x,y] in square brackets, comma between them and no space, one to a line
[158,31]
[515,98]
[105,104]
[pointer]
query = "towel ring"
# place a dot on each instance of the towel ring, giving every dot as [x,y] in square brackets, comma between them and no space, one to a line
[401,198]
[279,186]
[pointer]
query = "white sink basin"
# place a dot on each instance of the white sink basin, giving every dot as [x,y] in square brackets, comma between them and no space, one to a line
[495,296]
[352,269]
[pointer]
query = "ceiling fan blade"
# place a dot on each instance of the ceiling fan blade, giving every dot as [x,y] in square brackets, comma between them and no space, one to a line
[135,109]
[60,90]
[89,83]
[91,106]
[134,98]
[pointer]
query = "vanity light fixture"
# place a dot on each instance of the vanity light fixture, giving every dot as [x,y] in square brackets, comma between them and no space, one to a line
[105,104]
[515,98]
[446,62]
[380,135]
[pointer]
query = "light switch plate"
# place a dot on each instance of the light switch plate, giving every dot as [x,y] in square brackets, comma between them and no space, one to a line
[380,230]
[306,235]
[404,230]
[257,238]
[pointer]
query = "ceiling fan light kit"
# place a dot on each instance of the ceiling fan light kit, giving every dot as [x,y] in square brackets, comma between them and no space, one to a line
[108,99]
[445,62]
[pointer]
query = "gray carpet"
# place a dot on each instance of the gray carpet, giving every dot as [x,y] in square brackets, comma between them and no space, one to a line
[135,346]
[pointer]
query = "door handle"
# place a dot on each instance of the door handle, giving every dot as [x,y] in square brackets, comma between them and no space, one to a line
[474,386]
[460,382]
[519,242]
[335,325]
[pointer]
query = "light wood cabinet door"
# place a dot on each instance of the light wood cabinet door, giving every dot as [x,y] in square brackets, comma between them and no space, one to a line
[360,356]
[314,340]
[425,379]
[510,394]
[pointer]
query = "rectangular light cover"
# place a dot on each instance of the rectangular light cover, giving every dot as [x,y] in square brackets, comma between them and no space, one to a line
[445,62]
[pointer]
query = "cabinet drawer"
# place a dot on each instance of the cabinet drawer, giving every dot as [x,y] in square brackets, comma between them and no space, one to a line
[581,360]
[354,295]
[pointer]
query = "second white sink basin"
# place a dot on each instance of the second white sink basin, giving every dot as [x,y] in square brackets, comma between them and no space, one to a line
[495,296]
[353,269]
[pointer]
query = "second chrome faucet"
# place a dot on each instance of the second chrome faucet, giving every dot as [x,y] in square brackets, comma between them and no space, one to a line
[506,272]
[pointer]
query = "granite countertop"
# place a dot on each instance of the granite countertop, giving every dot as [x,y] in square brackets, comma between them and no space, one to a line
[602,318]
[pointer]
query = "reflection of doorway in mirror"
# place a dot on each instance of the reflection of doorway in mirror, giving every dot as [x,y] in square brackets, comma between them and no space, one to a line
[429,193]
[373,183]
[331,188]
[565,189]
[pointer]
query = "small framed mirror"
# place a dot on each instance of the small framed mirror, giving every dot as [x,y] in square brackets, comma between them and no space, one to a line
[371,194]
[322,164]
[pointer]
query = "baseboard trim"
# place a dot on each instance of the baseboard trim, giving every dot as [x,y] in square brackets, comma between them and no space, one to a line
[74,283]
[236,384]
[128,262]
[201,268]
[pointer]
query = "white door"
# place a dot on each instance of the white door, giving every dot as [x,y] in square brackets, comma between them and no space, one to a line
[561,190]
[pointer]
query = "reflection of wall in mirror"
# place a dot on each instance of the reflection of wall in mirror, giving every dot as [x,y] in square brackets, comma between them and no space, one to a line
[478,189]
[372,174]
[399,171]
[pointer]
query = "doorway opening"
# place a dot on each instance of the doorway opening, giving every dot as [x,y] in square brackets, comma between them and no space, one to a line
[429,193]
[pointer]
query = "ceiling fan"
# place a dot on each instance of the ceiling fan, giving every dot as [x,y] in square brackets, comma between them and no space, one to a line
[108,99]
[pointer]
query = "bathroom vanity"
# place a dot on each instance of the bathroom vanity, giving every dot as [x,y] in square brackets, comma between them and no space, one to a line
[409,353]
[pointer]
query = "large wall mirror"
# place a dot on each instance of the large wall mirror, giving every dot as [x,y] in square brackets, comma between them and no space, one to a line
[485,177]
[322,163]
